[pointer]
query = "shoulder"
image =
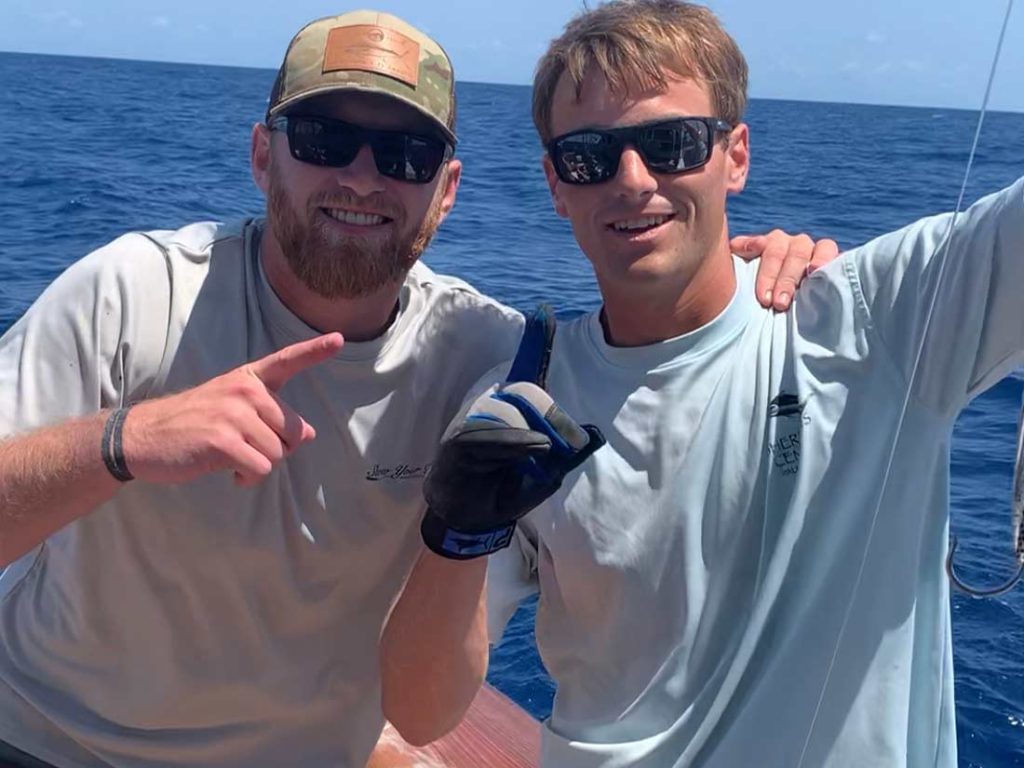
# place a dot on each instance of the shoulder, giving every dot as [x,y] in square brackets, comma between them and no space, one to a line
[148,260]
[452,291]
[130,298]
[453,306]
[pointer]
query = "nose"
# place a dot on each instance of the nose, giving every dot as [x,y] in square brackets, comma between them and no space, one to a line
[361,175]
[634,180]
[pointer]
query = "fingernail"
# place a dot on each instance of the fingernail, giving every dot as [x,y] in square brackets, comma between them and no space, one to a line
[768,296]
[783,299]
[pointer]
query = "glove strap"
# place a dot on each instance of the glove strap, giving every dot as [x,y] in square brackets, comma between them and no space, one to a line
[448,542]
[534,353]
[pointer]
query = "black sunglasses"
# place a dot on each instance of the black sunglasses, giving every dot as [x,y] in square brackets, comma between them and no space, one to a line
[591,155]
[399,155]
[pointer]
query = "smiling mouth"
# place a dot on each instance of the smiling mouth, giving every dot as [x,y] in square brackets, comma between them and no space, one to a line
[356,218]
[640,224]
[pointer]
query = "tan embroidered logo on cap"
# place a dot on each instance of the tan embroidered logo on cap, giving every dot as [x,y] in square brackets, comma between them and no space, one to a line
[370,48]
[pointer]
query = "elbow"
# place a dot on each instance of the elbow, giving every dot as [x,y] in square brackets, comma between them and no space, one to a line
[420,728]
[420,734]
[422,720]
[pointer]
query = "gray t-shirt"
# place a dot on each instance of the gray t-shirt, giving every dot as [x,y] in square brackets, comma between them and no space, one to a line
[204,624]
[716,589]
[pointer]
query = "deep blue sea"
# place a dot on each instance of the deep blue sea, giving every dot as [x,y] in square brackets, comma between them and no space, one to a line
[90,148]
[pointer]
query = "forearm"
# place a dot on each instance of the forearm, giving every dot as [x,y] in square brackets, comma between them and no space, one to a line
[434,648]
[49,478]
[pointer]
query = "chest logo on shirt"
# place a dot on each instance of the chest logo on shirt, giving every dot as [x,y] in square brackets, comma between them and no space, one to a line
[785,453]
[397,472]
[785,404]
[785,450]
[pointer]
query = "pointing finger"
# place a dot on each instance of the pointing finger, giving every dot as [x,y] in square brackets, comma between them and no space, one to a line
[277,368]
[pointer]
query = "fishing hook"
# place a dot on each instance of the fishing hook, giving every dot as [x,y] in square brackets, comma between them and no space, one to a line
[996,591]
[1018,531]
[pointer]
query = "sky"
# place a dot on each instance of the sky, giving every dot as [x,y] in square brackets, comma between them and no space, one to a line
[915,52]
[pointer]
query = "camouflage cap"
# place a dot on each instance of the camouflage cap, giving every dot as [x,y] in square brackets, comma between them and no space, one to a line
[371,52]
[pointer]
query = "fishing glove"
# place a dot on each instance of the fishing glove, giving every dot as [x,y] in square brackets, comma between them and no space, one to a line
[511,453]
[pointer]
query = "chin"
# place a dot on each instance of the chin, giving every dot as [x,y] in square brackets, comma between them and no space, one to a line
[650,269]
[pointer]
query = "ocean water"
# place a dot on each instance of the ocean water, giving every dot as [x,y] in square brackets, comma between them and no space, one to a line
[91,148]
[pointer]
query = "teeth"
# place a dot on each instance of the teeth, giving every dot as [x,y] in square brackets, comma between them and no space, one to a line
[353,217]
[644,223]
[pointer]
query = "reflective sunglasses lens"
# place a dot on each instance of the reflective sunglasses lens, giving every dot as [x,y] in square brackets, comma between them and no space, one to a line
[323,142]
[407,157]
[675,146]
[333,143]
[586,158]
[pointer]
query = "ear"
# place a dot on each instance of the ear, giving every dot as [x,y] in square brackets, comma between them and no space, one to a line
[452,177]
[553,186]
[259,156]
[738,159]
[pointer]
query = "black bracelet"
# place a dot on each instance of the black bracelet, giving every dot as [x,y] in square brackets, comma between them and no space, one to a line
[112,448]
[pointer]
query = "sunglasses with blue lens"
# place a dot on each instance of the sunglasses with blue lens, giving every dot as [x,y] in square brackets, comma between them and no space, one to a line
[678,145]
[401,155]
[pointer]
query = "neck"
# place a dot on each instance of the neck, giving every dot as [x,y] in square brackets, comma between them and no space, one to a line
[358,319]
[635,316]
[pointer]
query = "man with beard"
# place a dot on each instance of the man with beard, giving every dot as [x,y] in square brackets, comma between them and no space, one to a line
[189,581]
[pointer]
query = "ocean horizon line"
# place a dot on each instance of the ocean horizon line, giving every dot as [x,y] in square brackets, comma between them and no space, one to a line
[167,62]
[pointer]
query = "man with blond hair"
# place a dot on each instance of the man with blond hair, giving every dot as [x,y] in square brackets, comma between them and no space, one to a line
[729,581]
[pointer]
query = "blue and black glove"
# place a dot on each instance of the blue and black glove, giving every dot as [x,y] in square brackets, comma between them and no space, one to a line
[512,452]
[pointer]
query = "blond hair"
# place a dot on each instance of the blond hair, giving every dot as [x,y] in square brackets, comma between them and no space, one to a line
[637,45]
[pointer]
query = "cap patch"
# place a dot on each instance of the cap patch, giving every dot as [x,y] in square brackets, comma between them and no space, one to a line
[370,48]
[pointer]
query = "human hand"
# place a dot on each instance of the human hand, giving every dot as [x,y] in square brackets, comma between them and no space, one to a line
[234,422]
[512,452]
[785,261]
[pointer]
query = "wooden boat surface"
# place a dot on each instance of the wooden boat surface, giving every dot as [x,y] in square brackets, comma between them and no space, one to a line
[495,733]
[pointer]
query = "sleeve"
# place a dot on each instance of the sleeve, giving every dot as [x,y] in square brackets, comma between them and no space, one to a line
[94,339]
[511,578]
[976,333]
